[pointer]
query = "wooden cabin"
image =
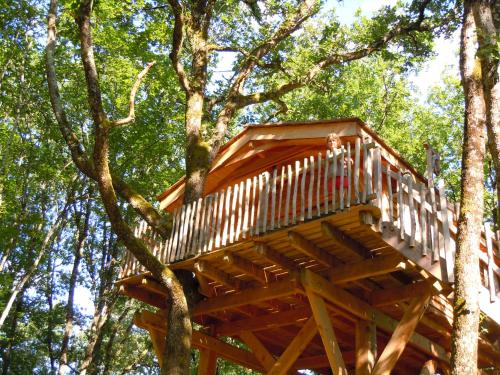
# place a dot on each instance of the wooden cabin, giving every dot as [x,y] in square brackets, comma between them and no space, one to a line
[338,262]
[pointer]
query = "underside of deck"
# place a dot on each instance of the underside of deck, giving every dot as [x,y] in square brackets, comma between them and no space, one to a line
[336,292]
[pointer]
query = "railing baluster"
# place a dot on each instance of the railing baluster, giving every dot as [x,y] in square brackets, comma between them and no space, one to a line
[341,164]
[423,220]
[311,187]
[258,221]
[282,186]
[448,256]
[227,216]
[401,206]
[349,176]
[390,193]
[303,190]
[412,211]
[240,210]
[273,198]
[204,224]
[288,193]
[247,207]
[265,200]
[318,187]
[365,174]
[295,191]
[219,219]
[212,228]
[325,182]
[232,231]
[357,146]
[252,202]
[334,180]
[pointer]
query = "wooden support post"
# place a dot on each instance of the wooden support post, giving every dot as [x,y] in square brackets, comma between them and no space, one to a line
[293,351]
[208,362]
[366,347]
[429,368]
[401,335]
[326,332]
[258,349]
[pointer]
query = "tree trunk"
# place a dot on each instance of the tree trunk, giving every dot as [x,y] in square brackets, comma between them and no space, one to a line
[82,233]
[487,31]
[467,278]
[7,349]
[50,320]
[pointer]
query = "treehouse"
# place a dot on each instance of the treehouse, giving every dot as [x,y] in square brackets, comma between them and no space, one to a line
[330,260]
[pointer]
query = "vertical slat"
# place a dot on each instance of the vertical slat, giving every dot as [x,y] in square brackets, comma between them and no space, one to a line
[232,226]
[258,221]
[311,187]
[273,197]
[341,164]
[489,248]
[303,189]
[175,232]
[180,231]
[412,211]
[213,222]
[390,193]
[325,182]
[185,231]
[443,203]
[282,186]
[204,222]
[248,188]
[369,172]
[378,175]
[253,203]
[288,193]
[196,246]
[227,216]
[401,207]
[219,219]
[334,179]
[365,173]
[265,201]
[349,176]
[295,191]
[423,220]
[172,234]
[357,151]
[318,187]
[240,210]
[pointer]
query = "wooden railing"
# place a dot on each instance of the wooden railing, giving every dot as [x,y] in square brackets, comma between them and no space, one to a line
[317,186]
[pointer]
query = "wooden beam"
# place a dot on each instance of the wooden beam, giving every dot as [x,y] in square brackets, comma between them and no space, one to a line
[258,349]
[294,350]
[343,241]
[366,347]
[273,290]
[207,364]
[311,250]
[364,311]
[245,266]
[275,257]
[320,361]
[222,277]
[401,293]
[151,321]
[144,295]
[380,265]
[430,367]
[327,333]
[401,335]
[263,322]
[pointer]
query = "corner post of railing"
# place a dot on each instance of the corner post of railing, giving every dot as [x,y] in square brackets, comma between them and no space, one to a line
[448,254]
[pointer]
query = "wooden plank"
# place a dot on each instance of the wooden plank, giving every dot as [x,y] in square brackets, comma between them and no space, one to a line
[311,250]
[273,197]
[263,322]
[253,203]
[295,349]
[489,250]
[378,175]
[258,220]
[227,216]
[282,186]
[276,257]
[206,269]
[342,175]
[232,224]
[325,182]
[380,265]
[295,192]
[390,193]
[343,241]
[213,222]
[429,368]
[311,187]
[365,174]
[173,235]
[401,207]
[423,220]
[288,193]
[185,231]
[258,349]
[366,347]
[357,157]
[324,326]
[303,189]
[178,249]
[239,222]
[401,335]
[247,207]
[219,220]
[195,245]
[245,266]
[334,180]
[204,223]
[412,211]
[266,179]
[448,254]
[207,364]
[349,176]
[318,187]
[398,294]
[248,296]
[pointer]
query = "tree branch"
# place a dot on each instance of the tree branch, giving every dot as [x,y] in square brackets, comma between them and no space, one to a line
[131,115]
[177,44]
